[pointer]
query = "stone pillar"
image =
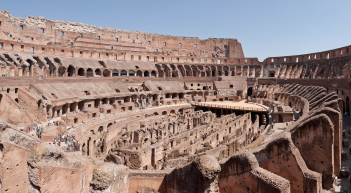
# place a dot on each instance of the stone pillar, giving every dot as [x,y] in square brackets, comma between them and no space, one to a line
[55,113]
[242,70]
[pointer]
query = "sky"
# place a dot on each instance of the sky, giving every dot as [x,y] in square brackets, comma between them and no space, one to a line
[265,28]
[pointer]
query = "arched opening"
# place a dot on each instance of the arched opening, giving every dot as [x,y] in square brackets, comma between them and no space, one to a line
[106,73]
[109,125]
[71,70]
[101,129]
[164,113]
[90,72]
[139,73]
[123,73]
[61,71]
[39,103]
[146,74]
[131,73]
[172,111]
[181,95]
[153,73]
[115,72]
[98,72]
[81,72]
[249,91]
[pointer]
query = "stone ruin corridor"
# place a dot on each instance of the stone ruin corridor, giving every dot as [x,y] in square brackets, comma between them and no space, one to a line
[95,109]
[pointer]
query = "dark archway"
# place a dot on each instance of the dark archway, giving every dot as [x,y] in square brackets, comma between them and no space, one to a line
[81,72]
[123,73]
[146,74]
[115,72]
[71,70]
[98,72]
[106,73]
[153,73]
[131,73]
[90,72]
[249,91]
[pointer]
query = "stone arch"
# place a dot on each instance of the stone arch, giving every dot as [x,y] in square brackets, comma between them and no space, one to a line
[115,72]
[139,73]
[90,72]
[98,72]
[164,112]
[61,70]
[81,72]
[153,73]
[71,70]
[123,73]
[106,73]
[146,73]
[131,73]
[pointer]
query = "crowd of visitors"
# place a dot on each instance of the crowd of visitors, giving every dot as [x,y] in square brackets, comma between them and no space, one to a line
[70,141]
[38,129]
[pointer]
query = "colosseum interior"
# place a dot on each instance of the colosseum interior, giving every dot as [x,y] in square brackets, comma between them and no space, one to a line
[96,109]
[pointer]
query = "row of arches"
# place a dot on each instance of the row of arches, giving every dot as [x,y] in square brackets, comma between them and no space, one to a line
[115,72]
[181,70]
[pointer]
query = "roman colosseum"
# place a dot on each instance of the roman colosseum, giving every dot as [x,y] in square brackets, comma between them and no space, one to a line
[97,109]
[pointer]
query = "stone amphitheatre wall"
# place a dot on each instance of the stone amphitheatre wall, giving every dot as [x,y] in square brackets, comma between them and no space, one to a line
[132,100]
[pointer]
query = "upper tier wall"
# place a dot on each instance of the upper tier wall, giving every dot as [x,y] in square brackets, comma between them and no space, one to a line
[41,31]
[325,55]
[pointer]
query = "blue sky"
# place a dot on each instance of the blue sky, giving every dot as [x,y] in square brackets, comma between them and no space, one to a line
[264,28]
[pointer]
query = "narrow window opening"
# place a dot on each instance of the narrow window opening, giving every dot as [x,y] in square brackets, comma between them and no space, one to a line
[80,35]
[22,46]
[21,27]
[164,43]
[62,33]
[32,50]
[148,42]
[195,45]
[116,39]
[180,44]
[11,46]
[98,37]
[133,41]
[42,30]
